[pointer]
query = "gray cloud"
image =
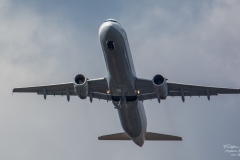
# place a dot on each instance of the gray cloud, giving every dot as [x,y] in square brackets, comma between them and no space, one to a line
[45,42]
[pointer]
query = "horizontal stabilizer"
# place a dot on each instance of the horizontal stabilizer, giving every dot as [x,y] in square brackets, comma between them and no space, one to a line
[161,137]
[117,136]
[148,137]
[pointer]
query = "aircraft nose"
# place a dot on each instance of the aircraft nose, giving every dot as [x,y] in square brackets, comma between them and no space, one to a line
[108,25]
[104,27]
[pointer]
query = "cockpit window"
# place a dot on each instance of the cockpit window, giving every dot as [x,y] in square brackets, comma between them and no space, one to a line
[112,20]
[110,45]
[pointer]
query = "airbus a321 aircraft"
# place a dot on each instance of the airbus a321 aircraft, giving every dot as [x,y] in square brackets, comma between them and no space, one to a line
[122,86]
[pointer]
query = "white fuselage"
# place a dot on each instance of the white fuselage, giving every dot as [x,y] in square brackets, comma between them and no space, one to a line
[121,80]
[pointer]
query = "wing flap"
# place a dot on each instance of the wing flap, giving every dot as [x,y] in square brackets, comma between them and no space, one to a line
[101,96]
[49,88]
[201,89]
[186,93]
[59,93]
[148,96]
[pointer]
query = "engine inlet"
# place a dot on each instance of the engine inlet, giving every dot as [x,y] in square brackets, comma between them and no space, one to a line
[79,79]
[158,79]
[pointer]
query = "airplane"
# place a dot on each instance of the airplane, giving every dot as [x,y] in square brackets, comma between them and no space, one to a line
[122,86]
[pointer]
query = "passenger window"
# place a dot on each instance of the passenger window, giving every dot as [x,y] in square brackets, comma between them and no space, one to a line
[110,45]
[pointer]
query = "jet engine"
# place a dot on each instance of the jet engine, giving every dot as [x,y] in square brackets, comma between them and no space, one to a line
[81,86]
[160,86]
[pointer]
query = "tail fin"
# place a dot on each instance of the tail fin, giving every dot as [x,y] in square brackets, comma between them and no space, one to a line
[148,137]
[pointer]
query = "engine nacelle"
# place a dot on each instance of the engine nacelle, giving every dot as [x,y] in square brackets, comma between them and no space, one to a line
[160,86]
[81,86]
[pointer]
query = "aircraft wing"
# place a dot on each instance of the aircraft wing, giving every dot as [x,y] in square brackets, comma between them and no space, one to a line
[99,88]
[98,85]
[52,89]
[145,87]
[175,89]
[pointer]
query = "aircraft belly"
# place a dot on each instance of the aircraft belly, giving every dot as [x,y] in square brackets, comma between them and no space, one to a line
[133,121]
[120,75]
[130,120]
[121,81]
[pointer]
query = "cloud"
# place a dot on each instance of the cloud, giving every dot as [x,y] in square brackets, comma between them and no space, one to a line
[207,41]
[187,41]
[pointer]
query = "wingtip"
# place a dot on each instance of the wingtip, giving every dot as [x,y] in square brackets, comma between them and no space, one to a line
[13,91]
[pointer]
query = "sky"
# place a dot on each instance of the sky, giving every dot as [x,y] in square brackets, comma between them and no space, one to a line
[50,41]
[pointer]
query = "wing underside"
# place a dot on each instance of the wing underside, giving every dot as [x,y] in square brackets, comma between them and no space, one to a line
[146,89]
[98,87]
